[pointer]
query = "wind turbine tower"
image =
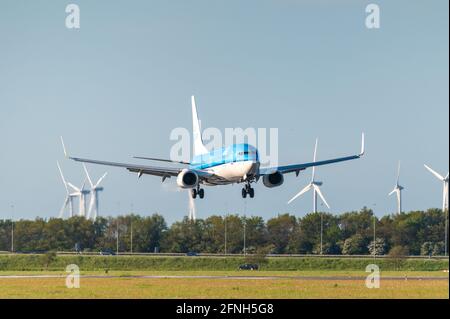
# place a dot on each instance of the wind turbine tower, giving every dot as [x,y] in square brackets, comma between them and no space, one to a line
[314,185]
[192,209]
[81,193]
[398,191]
[95,189]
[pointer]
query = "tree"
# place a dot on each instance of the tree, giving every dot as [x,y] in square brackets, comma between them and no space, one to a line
[184,237]
[147,232]
[280,230]
[306,237]
[427,248]
[353,223]
[419,232]
[256,233]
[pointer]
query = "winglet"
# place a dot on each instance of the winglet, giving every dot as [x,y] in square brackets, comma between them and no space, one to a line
[363,151]
[64,147]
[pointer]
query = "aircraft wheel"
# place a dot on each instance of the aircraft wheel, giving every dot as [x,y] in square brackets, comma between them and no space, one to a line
[244,193]
[194,193]
[201,193]
[251,192]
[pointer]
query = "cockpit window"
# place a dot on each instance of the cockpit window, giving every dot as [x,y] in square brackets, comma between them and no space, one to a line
[246,153]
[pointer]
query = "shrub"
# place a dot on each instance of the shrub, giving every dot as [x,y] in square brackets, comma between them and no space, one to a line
[48,258]
[354,245]
[397,256]
[378,247]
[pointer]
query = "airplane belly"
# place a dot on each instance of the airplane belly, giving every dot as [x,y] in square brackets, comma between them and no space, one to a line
[233,172]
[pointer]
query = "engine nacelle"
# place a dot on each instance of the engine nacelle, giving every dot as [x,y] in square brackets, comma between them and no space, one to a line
[273,180]
[187,179]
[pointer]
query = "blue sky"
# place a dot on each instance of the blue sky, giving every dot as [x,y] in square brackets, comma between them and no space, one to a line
[119,85]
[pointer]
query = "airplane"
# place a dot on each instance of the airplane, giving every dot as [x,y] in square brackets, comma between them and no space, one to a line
[234,164]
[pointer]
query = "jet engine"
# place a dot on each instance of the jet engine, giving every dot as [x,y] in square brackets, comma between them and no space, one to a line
[187,179]
[273,180]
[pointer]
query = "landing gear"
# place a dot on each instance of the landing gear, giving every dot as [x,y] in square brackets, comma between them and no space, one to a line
[200,192]
[248,190]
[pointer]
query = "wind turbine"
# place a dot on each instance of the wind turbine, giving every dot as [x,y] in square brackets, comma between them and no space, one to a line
[69,196]
[398,190]
[314,185]
[444,181]
[81,193]
[95,189]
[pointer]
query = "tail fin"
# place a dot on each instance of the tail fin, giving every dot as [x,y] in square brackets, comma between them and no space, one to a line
[199,148]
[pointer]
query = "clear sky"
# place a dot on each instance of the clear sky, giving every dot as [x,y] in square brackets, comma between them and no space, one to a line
[120,84]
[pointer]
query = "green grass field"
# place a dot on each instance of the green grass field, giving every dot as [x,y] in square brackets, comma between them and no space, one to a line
[188,288]
[288,277]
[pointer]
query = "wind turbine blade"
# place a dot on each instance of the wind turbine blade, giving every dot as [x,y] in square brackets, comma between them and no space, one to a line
[64,147]
[395,189]
[84,184]
[314,160]
[434,173]
[76,189]
[398,172]
[62,177]
[66,202]
[87,174]
[100,180]
[304,190]
[317,189]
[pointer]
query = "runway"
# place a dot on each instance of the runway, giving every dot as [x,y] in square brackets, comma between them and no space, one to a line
[313,278]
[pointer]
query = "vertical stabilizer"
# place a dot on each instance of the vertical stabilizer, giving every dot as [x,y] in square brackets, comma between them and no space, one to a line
[199,148]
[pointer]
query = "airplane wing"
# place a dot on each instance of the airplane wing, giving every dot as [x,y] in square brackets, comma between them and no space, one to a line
[300,167]
[164,172]
[141,169]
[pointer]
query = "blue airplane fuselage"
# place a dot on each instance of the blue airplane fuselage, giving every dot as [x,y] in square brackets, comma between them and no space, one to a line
[232,164]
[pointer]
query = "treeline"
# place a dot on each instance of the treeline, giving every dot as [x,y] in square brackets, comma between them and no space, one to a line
[352,233]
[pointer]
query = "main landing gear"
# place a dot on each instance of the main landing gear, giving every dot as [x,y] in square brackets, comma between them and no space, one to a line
[248,190]
[200,192]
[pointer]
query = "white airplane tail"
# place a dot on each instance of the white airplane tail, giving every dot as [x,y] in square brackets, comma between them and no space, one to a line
[199,147]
